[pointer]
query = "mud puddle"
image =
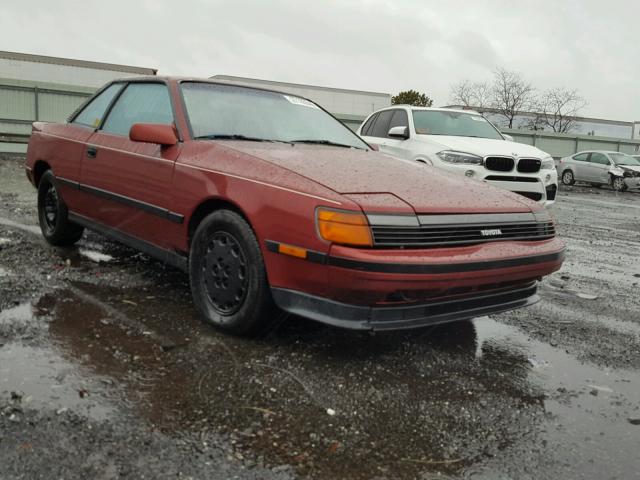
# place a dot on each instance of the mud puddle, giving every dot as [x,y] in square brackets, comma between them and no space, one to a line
[39,376]
[460,399]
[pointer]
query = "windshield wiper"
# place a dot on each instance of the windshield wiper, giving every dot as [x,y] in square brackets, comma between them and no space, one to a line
[326,142]
[236,137]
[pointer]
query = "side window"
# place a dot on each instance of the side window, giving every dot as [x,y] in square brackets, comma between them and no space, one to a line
[381,127]
[599,158]
[582,157]
[367,126]
[92,114]
[399,119]
[139,103]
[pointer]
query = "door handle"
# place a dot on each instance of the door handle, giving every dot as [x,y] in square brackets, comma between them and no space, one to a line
[92,152]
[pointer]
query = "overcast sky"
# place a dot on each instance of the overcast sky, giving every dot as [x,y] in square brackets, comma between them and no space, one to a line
[376,45]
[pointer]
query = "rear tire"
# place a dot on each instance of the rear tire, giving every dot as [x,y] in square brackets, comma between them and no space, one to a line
[617,183]
[567,177]
[53,214]
[227,275]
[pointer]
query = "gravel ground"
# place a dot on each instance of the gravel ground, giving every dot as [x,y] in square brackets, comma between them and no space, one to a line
[107,372]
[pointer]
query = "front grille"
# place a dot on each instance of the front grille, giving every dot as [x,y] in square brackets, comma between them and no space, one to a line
[537,196]
[510,178]
[435,235]
[529,165]
[499,164]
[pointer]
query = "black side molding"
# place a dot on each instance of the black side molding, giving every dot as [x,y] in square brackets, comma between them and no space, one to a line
[380,267]
[167,256]
[132,202]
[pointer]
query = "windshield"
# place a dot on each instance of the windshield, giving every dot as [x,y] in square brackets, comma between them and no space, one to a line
[624,159]
[229,112]
[436,122]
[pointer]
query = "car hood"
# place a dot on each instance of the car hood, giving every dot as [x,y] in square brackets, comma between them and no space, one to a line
[630,167]
[354,172]
[484,146]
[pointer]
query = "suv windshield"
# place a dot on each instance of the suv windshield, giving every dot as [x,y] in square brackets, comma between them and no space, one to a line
[624,159]
[229,112]
[436,122]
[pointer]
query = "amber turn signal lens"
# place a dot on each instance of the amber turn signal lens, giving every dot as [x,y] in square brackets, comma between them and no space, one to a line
[292,251]
[346,228]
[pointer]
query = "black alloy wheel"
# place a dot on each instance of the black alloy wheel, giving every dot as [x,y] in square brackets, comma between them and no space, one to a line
[227,275]
[53,214]
[50,208]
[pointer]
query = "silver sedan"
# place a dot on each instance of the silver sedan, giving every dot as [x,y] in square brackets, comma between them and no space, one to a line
[599,167]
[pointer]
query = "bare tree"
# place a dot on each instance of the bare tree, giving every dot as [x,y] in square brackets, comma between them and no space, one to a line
[471,94]
[510,94]
[556,109]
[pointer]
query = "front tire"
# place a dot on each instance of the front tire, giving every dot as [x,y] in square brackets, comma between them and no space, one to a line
[618,184]
[53,214]
[567,177]
[227,275]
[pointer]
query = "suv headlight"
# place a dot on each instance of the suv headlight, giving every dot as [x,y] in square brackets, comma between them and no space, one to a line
[460,158]
[548,163]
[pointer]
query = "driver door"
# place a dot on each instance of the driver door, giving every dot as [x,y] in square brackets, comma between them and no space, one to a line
[129,182]
[599,168]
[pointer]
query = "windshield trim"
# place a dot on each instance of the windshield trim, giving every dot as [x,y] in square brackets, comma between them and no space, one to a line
[226,84]
[413,110]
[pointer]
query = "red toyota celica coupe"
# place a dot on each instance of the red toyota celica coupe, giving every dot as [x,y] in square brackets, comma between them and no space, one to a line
[270,203]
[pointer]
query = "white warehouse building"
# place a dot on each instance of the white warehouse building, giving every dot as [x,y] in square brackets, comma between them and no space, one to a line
[42,88]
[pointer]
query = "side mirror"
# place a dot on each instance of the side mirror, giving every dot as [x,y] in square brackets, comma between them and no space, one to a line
[160,133]
[399,132]
[507,137]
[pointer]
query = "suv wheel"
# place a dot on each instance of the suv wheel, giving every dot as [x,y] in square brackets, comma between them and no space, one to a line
[53,214]
[618,184]
[567,177]
[227,275]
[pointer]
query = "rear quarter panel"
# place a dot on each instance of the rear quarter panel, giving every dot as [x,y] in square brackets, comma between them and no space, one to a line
[60,146]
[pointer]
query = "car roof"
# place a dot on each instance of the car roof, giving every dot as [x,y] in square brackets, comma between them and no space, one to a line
[596,151]
[169,78]
[433,109]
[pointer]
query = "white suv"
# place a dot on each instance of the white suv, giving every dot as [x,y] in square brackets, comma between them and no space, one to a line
[464,142]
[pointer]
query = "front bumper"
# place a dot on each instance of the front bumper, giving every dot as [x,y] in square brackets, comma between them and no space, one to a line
[357,317]
[392,289]
[632,182]
[540,186]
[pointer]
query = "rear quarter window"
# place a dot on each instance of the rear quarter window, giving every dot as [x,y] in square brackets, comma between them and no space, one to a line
[93,113]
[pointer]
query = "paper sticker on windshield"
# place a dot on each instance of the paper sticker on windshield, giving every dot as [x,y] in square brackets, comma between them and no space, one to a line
[477,118]
[300,101]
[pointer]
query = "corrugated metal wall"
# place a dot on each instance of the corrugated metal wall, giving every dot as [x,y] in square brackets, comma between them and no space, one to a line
[560,145]
[20,106]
